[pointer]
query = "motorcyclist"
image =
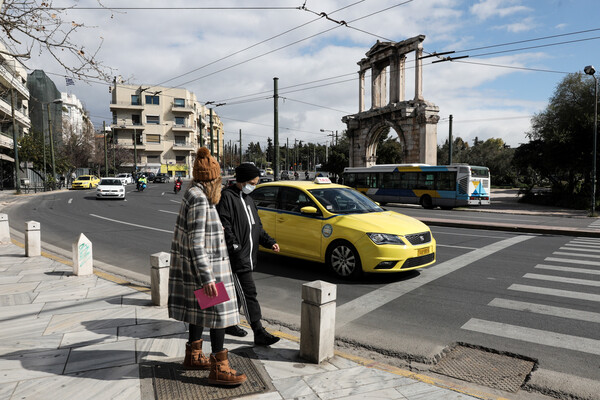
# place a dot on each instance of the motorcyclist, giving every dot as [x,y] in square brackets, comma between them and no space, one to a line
[142,181]
[178,184]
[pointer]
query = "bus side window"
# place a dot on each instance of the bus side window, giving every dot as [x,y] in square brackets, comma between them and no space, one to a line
[390,180]
[361,181]
[409,180]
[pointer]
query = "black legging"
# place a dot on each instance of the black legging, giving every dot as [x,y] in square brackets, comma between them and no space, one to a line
[217,337]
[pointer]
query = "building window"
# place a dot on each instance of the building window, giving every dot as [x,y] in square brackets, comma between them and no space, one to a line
[152,119]
[180,140]
[180,159]
[135,100]
[179,120]
[114,118]
[153,159]
[152,99]
[179,103]
[152,138]
[136,119]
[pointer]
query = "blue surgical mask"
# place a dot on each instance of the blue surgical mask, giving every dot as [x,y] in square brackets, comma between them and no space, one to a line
[248,188]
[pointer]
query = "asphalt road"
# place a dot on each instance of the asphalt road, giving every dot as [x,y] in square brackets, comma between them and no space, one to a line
[532,295]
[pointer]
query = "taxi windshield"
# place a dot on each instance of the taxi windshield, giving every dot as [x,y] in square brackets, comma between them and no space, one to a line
[344,201]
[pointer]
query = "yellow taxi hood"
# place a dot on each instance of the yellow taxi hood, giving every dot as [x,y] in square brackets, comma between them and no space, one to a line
[384,222]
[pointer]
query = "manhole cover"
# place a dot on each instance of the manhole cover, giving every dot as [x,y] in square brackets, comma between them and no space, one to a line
[485,368]
[167,381]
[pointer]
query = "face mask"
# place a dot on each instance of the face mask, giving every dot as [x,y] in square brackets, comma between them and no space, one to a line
[247,189]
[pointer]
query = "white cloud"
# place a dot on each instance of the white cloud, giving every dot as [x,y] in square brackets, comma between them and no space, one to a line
[497,8]
[527,24]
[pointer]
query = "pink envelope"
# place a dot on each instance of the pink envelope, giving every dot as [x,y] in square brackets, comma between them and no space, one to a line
[204,301]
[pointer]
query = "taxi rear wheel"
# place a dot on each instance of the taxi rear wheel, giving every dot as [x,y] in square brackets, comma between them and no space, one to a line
[343,259]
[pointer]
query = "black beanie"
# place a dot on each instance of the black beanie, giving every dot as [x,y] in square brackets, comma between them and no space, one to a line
[246,172]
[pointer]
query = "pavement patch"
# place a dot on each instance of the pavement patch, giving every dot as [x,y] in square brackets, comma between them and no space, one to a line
[484,367]
[168,380]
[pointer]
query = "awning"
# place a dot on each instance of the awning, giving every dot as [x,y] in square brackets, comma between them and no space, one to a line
[6,158]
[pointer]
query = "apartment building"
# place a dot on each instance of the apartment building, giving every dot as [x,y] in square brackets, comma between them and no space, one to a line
[14,96]
[168,124]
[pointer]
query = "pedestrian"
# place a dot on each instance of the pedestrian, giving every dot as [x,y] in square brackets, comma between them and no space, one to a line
[243,234]
[199,259]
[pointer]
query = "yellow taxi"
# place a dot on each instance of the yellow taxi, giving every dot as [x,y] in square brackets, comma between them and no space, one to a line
[85,182]
[269,171]
[335,224]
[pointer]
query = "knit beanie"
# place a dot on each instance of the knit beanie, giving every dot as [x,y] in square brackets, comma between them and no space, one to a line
[206,168]
[246,172]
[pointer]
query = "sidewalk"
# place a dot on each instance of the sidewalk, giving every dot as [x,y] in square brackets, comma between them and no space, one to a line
[69,337]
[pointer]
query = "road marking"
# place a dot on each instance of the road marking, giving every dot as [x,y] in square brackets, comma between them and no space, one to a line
[129,223]
[170,212]
[70,201]
[580,247]
[175,201]
[561,312]
[442,232]
[363,305]
[569,261]
[568,269]
[585,241]
[560,253]
[562,279]
[456,247]
[555,292]
[538,336]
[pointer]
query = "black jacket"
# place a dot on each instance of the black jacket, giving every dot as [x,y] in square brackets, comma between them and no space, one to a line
[243,229]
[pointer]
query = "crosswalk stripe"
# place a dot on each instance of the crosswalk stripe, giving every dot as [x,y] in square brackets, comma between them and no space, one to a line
[569,261]
[561,312]
[555,292]
[560,253]
[595,249]
[585,241]
[538,336]
[553,278]
[568,269]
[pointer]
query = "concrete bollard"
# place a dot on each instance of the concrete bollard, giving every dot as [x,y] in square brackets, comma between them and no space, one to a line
[33,239]
[83,257]
[317,321]
[4,229]
[159,278]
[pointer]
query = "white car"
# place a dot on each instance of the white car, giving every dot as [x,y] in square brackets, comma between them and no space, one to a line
[110,188]
[126,178]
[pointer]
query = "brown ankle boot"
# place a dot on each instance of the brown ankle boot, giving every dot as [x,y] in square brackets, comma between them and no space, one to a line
[221,373]
[194,357]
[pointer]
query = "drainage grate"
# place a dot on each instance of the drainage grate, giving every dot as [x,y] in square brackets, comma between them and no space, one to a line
[167,381]
[485,368]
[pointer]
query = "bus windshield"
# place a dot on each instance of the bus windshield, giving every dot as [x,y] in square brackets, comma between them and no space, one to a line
[479,172]
[344,201]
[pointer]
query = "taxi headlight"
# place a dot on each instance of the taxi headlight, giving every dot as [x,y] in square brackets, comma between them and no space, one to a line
[384,238]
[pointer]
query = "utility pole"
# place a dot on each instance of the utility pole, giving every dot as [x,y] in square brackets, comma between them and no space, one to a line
[295,155]
[240,146]
[15,141]
[51,138]
[134,149]
[276,129]
[287,154]
[450,142]
[105,149]
[210,123]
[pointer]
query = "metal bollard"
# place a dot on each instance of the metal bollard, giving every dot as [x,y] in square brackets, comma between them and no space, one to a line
[317,321]
[33,239]
[83,257]
[159,278]
[4,229]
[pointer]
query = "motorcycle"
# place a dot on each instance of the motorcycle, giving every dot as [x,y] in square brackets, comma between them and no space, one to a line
[141,186]
[177,187]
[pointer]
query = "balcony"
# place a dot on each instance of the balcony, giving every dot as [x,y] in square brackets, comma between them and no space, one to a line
[183,146]
[182,107]
[182,128]
[20,113]
[125,105]
[155,146]
[6,140]
[10,80]
[128,125]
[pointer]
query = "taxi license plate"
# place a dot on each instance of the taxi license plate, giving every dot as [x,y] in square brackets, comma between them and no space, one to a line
[422,252]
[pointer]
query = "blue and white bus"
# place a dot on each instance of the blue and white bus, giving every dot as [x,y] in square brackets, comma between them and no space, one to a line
[445,186]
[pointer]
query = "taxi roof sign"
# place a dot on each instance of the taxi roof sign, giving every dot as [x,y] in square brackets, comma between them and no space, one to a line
[321,179]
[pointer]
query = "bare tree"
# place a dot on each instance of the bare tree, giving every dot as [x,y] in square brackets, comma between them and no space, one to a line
[28,25]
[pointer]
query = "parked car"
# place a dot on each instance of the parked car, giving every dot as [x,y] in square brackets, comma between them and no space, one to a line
[285,175]
[339,226]
[269,171]
[263,179]
[150,175]
[126,178]
[262,172]
[110,188]
[162,177]
[85,182]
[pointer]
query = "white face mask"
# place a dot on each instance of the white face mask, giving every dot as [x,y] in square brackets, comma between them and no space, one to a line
[248,188]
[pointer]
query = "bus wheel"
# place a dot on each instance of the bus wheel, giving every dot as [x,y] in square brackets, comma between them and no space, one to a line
[343,259]
[426,202]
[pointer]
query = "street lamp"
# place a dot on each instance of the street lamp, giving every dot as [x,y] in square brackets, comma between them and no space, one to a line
[589,70]
[47,104]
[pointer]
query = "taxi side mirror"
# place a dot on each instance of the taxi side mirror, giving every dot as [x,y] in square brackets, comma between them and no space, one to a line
[308,210]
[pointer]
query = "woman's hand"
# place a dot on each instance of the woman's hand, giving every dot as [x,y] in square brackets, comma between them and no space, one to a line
[210,289]
[275,248]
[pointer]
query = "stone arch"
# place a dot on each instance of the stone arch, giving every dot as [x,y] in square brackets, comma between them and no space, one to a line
[414,120]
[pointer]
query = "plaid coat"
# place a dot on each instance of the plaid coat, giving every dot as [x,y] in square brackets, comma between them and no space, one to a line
[199,256]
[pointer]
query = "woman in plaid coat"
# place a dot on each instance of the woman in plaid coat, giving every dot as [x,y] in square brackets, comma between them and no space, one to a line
[199,259]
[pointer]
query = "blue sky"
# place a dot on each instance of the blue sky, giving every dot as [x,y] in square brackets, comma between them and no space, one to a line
[150,46]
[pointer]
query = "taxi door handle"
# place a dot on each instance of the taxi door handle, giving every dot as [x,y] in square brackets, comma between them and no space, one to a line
[280,219]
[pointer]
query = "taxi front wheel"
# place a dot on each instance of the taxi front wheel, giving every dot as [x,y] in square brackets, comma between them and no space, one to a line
[343,259]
